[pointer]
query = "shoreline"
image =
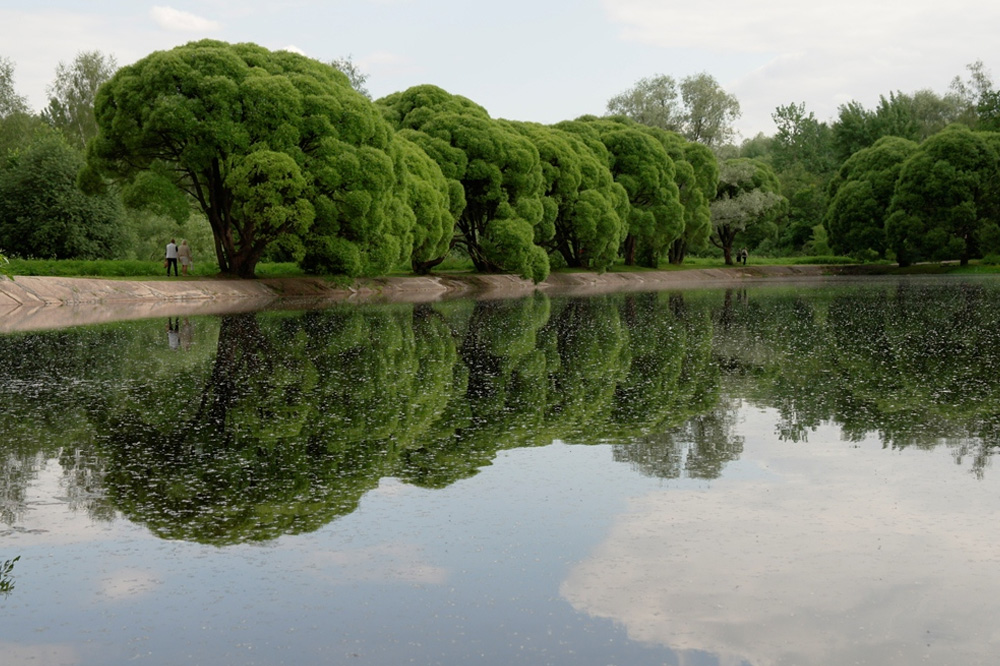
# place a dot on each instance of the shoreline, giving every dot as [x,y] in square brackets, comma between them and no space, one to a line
[34,302]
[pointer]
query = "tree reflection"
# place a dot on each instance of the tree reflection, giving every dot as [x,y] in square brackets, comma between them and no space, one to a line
[276,424]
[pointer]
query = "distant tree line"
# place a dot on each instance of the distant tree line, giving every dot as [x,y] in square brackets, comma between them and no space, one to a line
[257,155]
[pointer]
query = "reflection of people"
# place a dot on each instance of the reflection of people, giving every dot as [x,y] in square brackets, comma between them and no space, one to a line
[184,256]
[173,333]
[172,256]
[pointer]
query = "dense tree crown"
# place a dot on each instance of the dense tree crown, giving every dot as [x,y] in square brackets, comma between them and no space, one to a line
[272,155]
[860,195]
[496,168]
[72,95]
[747,203]
[272,146]
[946,199]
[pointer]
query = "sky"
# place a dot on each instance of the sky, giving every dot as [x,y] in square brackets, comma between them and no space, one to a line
[547,60]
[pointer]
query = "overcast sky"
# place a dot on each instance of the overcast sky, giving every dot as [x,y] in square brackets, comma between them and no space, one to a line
[547,60]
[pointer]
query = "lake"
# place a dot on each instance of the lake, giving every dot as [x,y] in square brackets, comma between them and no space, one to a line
[776,474]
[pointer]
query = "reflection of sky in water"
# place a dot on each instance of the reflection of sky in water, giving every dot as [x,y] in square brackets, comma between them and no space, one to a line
[828,553]
[801,553]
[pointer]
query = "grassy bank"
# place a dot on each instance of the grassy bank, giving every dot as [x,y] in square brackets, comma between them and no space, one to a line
[154,270]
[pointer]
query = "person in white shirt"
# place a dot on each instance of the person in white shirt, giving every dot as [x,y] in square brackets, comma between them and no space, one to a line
[172,257]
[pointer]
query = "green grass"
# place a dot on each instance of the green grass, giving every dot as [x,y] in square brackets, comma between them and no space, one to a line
[153,270]
[131,269]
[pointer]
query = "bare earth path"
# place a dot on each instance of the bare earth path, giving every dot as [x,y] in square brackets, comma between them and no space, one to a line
[29,303]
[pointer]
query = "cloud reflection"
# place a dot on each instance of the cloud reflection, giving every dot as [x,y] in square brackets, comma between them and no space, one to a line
[840,554]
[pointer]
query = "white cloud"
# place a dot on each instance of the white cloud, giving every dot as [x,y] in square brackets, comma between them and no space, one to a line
[293,49]
[884,561]
[169,18]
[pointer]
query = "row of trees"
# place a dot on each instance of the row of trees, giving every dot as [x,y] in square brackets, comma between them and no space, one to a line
[909,179]
[812,160]
[281,151]
[284,157]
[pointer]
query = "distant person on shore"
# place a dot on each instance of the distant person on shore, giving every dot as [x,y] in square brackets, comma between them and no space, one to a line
[742,256]
[171,257]
[184,256]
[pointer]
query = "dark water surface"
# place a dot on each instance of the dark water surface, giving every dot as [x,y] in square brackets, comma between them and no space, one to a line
[770,475]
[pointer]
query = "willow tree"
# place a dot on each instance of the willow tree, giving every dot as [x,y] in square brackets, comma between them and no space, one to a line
[492,166]
[946,201]
[586,211]
[860,195]
[640,164]
[696,174]
[272,146]
[748,198]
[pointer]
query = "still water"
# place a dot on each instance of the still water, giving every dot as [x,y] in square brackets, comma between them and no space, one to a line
[769,475]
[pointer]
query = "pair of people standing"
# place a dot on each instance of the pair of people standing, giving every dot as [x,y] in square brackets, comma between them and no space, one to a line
[177,253]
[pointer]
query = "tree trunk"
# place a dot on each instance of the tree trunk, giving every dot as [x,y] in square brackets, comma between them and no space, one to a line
[677,251]
[425,267]
[630,250]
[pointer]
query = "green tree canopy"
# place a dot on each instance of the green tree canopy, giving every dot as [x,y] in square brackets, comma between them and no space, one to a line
[10,101]
[72,94]
[747,201]
[860,195]
[946,199]
[639,163]
[44,214]
[435,206]
[17,123]
[586,208]
[704,112]
[696,173]
[497,169]
[271,145]
[652,101]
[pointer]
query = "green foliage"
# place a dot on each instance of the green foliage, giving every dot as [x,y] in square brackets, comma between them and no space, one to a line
[801,140]
[153,191]
[272,146]
[641,165]
[946,199]
[489,164]
[819,244]
[652,101]
[11,102]
[746,205]
[6,581]
[44,214]
[704,113]
[72,94]
[585,210]
[914,117]
[860,195]
[429,199]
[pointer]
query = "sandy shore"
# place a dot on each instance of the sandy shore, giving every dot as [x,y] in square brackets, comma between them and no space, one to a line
[31,303]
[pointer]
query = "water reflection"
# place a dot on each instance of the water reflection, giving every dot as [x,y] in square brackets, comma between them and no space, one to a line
[818,558]
[278,423]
